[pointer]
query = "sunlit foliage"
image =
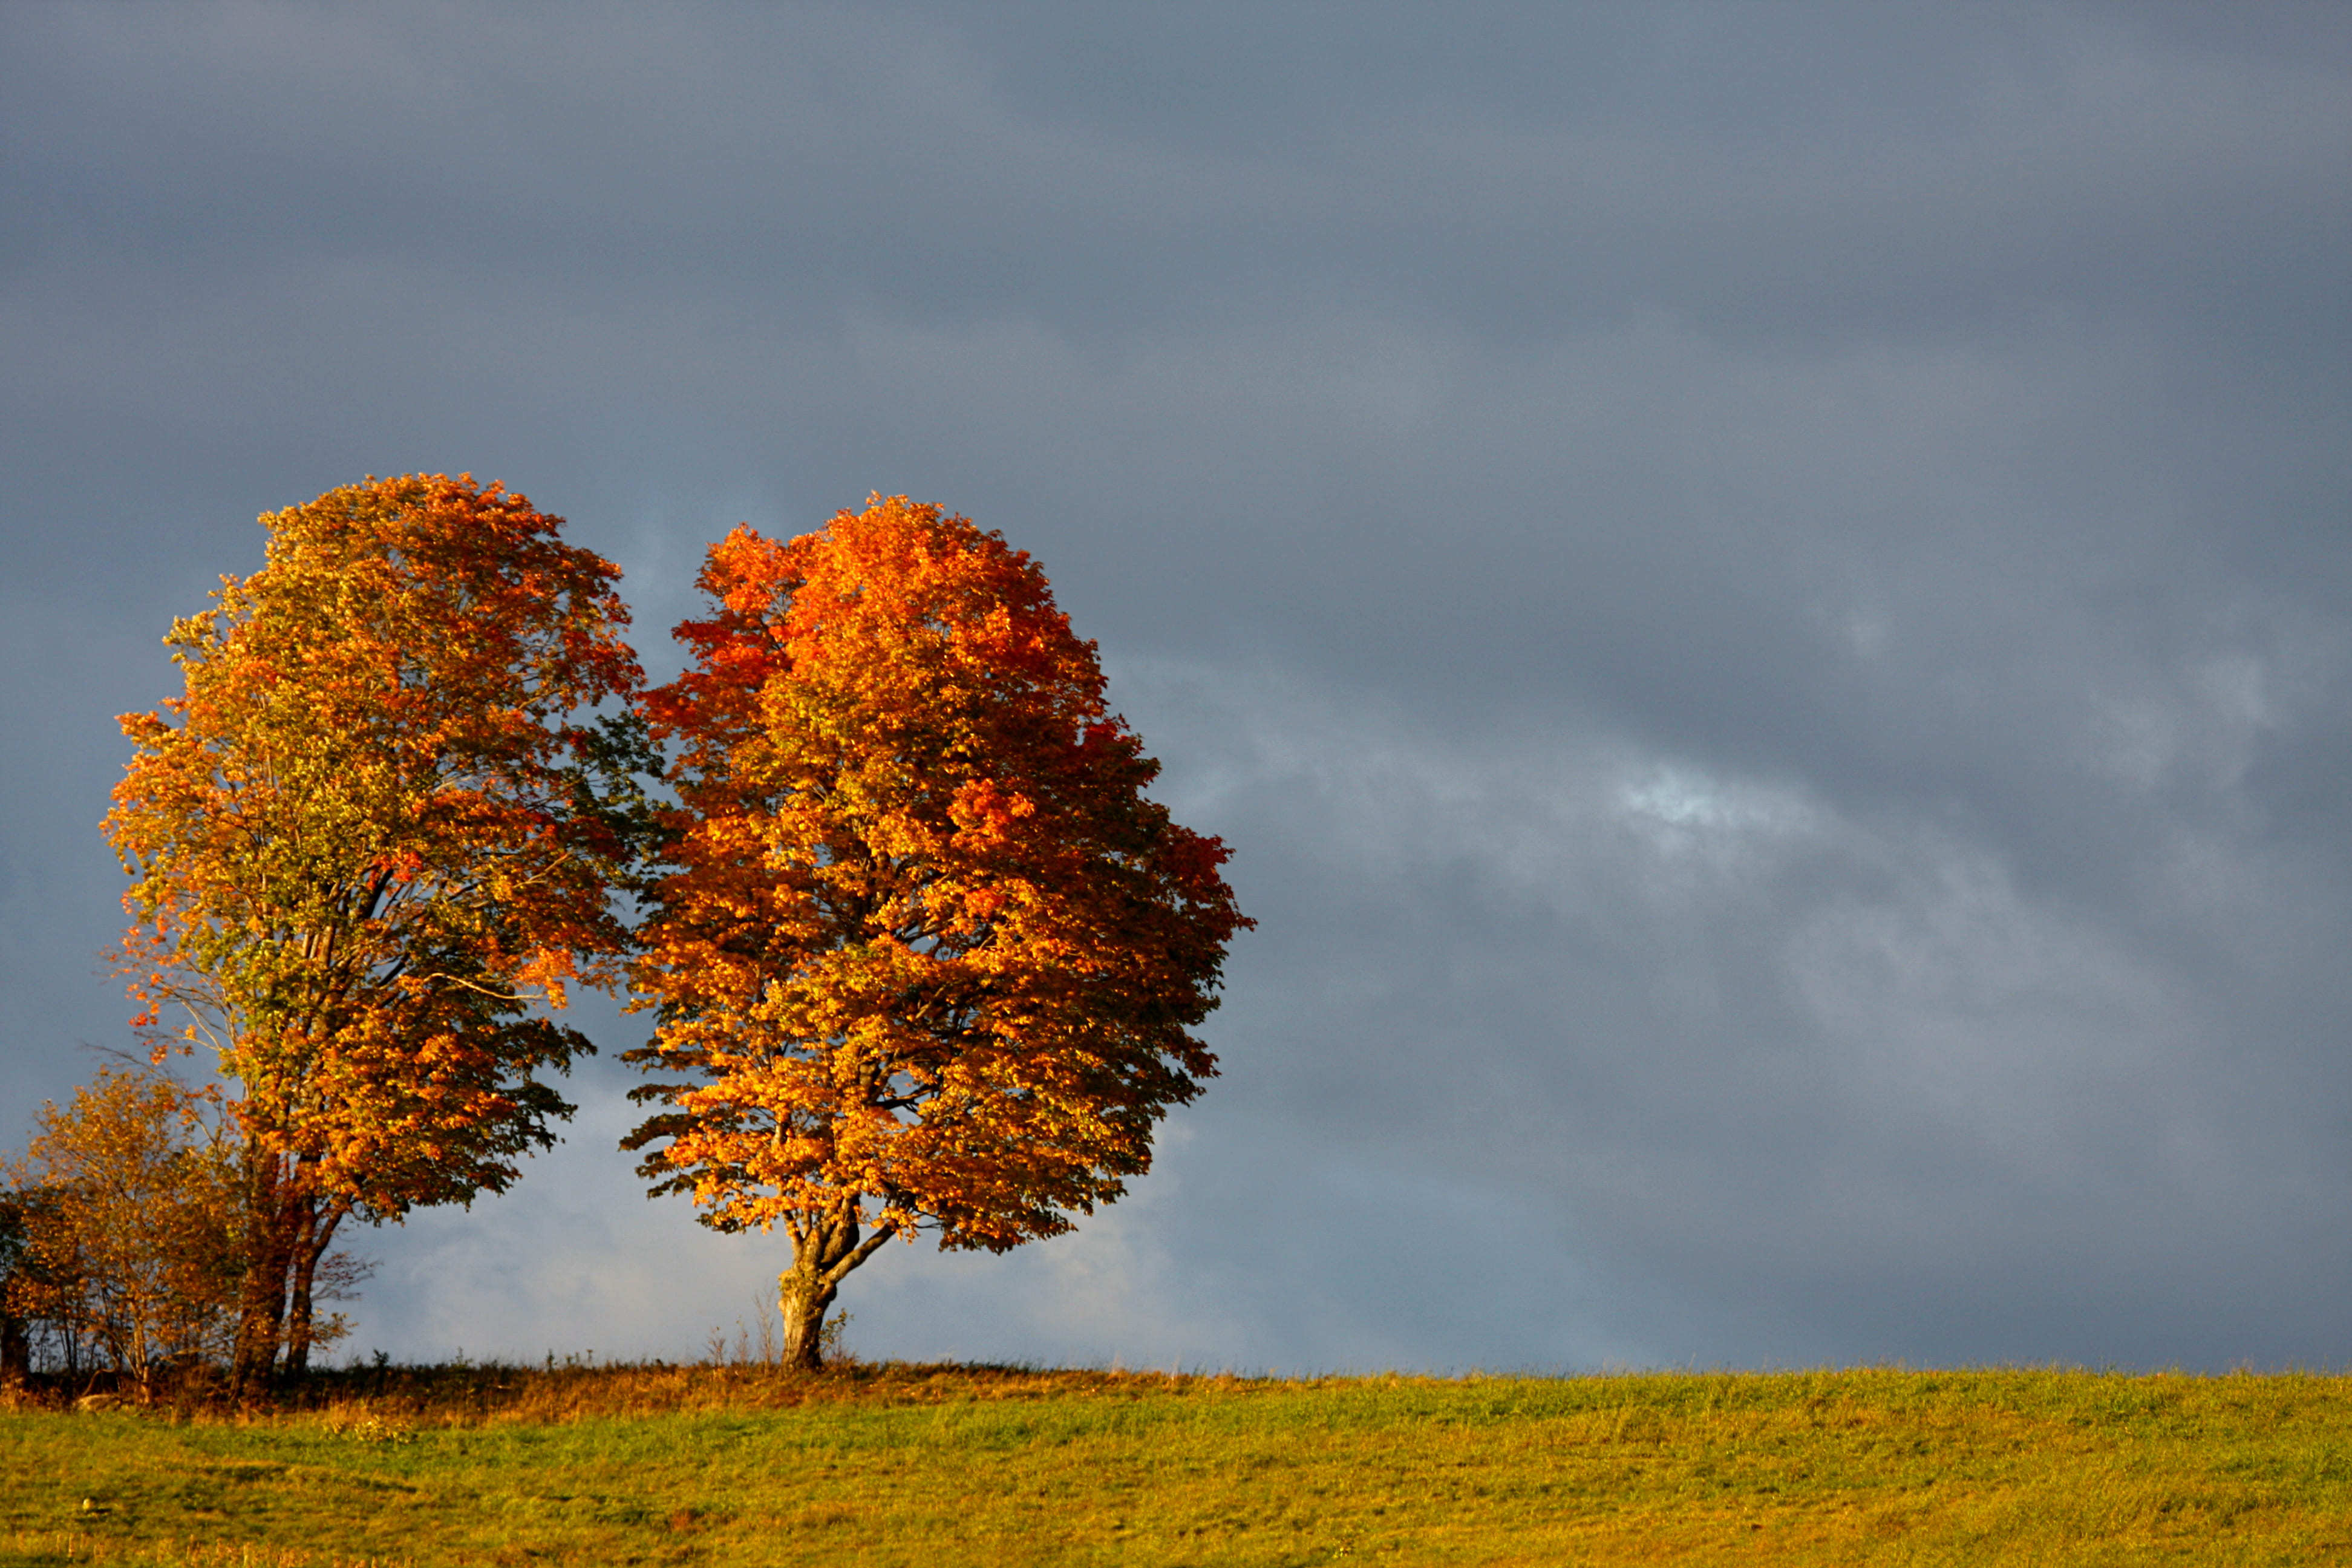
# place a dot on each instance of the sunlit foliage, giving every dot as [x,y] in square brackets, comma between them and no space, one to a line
[927,956]
[367,844]
[125,1233]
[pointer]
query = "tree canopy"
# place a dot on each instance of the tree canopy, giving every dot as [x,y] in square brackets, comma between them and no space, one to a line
[371,845]
[124,1221]
[926,956]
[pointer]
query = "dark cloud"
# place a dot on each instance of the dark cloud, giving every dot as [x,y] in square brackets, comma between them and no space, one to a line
[1762,593]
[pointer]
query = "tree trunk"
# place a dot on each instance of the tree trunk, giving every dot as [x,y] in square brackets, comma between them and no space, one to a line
[319,1234]
[275,1209]
[139,1355]
[823,1252]
[805,1302]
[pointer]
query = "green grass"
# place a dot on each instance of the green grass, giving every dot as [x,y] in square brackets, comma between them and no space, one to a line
[1000,1468]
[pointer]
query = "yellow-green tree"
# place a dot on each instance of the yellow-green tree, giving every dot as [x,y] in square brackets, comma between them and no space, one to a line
[371,845]
[926,955]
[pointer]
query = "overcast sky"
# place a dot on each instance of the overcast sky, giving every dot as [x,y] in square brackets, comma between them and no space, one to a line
[1763,594]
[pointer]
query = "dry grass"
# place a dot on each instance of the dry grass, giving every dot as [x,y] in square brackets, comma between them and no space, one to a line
[73,1546]
[921,1465]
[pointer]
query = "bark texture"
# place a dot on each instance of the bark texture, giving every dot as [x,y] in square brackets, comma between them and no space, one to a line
[289,1230]
[823,1252]
[261,1303]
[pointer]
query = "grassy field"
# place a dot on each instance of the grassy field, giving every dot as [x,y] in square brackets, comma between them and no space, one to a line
[1002,1468]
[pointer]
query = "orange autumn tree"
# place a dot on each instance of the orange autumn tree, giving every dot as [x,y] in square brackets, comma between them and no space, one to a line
[127,1216]
[925,955]
[371,845]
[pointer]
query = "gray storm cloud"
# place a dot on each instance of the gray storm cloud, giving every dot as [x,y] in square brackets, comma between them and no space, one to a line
[1762,594]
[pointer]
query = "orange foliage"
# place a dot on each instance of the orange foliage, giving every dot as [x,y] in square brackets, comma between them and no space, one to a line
[367,843]
[127,1220]
[926,954]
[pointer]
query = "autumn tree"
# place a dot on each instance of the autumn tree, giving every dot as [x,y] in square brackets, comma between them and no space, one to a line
[371,846]
[126,1230]
[926,956]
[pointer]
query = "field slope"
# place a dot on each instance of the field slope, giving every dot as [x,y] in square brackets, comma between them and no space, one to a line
[1002,1468]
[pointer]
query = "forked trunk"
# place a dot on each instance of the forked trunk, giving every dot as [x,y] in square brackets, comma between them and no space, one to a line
[261,1303]
[804,1303]
[823,1252]
[287,1231]
[260,1318]
[318,1235]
